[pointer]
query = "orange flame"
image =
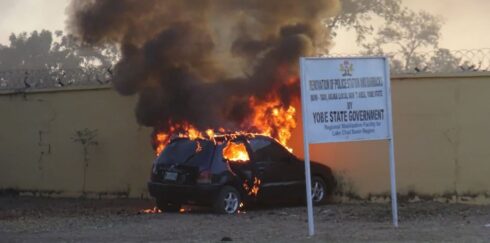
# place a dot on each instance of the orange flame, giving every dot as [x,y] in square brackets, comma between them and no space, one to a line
[193,133]
[151,211]
[240,208]
[273,120]
[254,190]
[255,187]
[210,133]
[198,148]
[185,130]
[156,210]
[161,140]
[235,152]
[268,117]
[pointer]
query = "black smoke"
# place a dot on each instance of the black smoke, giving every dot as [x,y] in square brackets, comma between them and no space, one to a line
[199,61]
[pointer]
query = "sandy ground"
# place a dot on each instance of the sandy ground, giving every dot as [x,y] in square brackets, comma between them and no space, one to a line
[28,219]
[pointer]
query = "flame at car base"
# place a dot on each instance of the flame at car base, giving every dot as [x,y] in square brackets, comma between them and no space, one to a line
[153,210]
[156,210]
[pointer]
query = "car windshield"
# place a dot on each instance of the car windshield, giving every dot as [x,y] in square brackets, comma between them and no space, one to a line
[187,152]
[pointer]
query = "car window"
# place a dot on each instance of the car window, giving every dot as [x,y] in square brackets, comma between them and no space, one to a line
[187,152]
[219,163]
[236,151]
[258,143]
[267,150]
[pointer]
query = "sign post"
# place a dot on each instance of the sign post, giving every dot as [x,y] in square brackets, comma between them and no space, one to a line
[344,100]
[309,201]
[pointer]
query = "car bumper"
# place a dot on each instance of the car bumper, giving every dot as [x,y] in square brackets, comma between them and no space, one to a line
[192,194]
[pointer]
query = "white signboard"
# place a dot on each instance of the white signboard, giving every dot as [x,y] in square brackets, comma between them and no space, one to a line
[346,99]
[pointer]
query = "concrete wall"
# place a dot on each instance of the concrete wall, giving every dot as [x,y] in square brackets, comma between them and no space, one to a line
[442,142]
[39,154]
[440,124]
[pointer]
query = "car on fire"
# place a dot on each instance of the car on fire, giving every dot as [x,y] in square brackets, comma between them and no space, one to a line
[228,171]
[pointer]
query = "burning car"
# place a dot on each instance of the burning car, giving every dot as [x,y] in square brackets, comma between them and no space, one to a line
[191,71]
[227,171]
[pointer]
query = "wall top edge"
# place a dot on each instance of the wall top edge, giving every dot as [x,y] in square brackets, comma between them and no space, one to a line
[55,90]
[440,75]
[108,86]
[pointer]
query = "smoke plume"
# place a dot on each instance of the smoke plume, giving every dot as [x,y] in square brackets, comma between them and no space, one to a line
[200,61]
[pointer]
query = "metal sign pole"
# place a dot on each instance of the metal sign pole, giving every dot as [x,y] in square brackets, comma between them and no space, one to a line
[394,203]
[309,201]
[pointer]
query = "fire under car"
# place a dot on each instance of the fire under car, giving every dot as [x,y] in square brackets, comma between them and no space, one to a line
[229,171]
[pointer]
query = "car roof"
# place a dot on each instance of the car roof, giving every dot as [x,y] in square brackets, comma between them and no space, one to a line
[227,137]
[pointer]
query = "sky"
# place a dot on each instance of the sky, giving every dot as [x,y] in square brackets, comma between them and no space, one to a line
[29,15]
[466,23]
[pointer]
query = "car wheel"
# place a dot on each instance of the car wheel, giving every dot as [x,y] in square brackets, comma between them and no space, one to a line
[167,206]
[318,190]
[228,201]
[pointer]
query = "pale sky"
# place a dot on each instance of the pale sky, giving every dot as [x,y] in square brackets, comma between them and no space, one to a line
[466,22]
[29,15]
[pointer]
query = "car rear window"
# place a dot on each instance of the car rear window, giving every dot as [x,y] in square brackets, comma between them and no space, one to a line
[187,152]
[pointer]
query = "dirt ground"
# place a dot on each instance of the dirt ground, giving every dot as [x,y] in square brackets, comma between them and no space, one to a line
[29,219]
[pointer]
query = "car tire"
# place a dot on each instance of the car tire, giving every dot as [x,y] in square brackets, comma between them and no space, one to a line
[228,201]
[319,190]
[168,206]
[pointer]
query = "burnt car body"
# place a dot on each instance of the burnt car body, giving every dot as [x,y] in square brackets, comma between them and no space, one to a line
[196,172]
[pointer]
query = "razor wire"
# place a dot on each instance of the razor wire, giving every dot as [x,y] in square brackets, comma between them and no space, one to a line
[438,61]
[48,78]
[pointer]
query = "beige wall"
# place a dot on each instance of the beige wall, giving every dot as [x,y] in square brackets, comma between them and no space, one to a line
[38,153]
[440,124]
[442,141]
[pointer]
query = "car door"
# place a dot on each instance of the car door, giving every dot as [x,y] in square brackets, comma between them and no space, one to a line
[297,178]
[292,173]
[273,166]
